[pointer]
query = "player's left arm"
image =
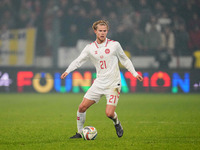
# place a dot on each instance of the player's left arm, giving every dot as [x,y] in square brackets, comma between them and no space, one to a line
[139,77]
[126,62]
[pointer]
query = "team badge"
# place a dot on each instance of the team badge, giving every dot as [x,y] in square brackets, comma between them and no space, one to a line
[101,56]
[107,51]
[95,52]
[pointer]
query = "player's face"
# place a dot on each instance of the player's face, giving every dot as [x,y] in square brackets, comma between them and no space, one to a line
[101,33]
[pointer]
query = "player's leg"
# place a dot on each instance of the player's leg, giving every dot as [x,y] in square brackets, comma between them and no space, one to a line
[92,96]
[81,115]
[85,104]
[112,96]
[110,112]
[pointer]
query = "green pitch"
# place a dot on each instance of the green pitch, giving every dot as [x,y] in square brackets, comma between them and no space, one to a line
[150,121]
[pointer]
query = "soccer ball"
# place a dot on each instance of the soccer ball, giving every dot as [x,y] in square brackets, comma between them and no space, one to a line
[89,133]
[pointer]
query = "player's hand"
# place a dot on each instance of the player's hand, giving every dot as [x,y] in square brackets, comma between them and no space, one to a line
[139,77]
[63,75]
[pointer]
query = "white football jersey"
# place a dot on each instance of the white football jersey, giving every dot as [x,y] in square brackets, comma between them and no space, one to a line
[105,57]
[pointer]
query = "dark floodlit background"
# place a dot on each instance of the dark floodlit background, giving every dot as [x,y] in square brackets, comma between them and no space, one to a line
[40,38]
[159,36]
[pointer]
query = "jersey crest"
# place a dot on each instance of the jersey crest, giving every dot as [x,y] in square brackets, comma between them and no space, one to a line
[107,51]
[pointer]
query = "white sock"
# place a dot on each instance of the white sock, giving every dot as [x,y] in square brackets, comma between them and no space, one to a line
[80,121]
[115,118]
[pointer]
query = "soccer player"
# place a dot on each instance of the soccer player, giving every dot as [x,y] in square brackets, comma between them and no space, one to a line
[104,54]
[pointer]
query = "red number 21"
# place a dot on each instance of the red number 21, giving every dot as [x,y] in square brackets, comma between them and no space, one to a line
[103,64]
[112,99]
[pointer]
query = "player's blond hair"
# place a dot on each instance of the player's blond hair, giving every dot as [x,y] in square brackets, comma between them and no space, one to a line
[100,22]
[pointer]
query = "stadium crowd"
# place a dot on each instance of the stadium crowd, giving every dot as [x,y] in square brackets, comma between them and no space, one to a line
[143,27]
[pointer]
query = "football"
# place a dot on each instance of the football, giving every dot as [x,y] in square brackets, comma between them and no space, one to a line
[89,133]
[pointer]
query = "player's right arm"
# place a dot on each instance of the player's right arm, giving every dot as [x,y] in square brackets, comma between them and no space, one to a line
[83,57]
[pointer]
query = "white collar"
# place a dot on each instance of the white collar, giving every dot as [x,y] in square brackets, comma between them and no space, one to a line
[104,44]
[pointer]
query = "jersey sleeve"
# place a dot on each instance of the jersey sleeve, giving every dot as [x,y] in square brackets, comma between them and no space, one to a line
[79,61]
[125,61]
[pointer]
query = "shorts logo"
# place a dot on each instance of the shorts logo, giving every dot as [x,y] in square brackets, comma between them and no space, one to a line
[107,51]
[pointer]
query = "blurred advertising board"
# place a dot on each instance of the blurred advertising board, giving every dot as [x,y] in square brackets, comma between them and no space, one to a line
[17,47]
[48,80]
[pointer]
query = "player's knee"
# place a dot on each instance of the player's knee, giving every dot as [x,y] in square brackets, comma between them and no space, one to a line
[82,108]
[110,114]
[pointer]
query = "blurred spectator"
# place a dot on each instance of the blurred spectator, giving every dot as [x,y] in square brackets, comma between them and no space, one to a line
[123,34]
[151,23]
[177,21]
[49,10]
[126,22]
[138,42]
[136,19]
[107,6]
[25,13]
[33,20]
[64,5]
[3,29]
[48,27]
[124,16]
[168,40]
[96,14]
[83,23]
[8,20]
[163,58]
[113,23]
[76,5]
[158,8]
[90,34]
[164,20]
[48,34]
[67,19]
[194,43]
[172,7]
[93,7]
[182,39]
[187,10]
[125,8]
[37,8]
[195,21]
[153,39]
[145,11]
[173,11]
[71,37]
[8,5]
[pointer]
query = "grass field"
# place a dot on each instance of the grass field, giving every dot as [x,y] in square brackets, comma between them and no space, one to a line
[150,121]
